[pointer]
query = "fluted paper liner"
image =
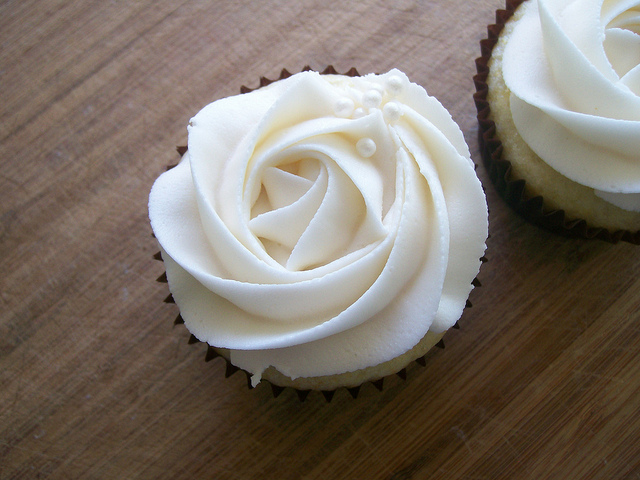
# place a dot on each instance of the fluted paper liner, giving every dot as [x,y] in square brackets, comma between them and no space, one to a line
[512,189]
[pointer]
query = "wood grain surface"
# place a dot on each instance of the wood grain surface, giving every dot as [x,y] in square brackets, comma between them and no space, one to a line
[542,380]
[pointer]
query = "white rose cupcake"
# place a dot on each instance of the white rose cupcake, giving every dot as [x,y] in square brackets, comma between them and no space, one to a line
[322,231]
[558,97]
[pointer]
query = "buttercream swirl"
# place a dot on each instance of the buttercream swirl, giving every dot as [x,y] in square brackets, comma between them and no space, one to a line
[573,69]
[321,224]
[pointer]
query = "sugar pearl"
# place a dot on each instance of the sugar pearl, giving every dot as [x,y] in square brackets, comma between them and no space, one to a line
[371,98]
[394,85]
[358,113]
[366,147]
[391,112]
[344,107]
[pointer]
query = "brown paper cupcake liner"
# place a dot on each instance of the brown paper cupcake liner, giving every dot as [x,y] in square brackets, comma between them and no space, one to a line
[230,369]
[284,73]
[276,390]
[512,189]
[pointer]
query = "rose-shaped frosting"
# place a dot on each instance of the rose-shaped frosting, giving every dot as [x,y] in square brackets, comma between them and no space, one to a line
[573,69]
[321,224]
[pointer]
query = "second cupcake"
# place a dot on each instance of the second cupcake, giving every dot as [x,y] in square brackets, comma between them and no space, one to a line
[324,230]
[559,100]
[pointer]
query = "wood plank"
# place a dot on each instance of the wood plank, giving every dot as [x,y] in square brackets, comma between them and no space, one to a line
[542,380]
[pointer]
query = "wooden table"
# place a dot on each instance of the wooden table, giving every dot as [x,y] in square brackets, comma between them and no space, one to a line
[542,380]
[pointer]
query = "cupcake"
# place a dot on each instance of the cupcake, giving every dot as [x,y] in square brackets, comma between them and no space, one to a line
[321,231]
[558,98]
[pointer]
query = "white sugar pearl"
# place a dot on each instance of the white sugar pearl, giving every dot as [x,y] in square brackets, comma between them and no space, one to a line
[394,85]
[371,98]
[344,107]
[358,113]
[391,112]
[366,147]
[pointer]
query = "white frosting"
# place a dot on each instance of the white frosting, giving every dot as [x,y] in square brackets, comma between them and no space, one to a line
[573,69]
[322,224]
